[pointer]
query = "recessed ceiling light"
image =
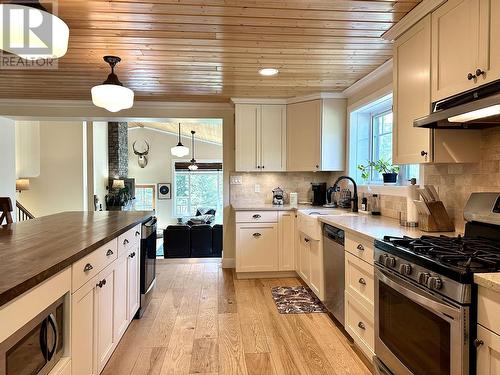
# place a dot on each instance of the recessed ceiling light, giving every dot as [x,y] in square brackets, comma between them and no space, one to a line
[268,71]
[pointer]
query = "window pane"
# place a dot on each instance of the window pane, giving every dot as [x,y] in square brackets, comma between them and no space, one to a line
[144,198]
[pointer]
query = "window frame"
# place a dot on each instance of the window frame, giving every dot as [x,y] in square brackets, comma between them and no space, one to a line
[145,186]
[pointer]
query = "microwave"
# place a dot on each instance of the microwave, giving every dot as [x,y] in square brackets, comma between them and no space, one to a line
[36,347]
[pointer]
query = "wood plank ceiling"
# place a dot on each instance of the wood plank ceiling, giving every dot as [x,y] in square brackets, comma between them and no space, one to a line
[211,50]
[209,130]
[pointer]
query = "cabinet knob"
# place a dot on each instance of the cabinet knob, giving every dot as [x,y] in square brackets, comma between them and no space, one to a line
[471,76]
[360,247]
[424,153]
[258,166]
[109,253]
[306,240]
[256,216]
[257,235]
[137,233]
[480,72]
[317,166]
[362,281]
[88,267]
[101,283]
[125,241]
[478,343]
[362,325]
[132,255]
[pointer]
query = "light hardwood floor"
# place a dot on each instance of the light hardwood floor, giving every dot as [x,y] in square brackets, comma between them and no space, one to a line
[204,321]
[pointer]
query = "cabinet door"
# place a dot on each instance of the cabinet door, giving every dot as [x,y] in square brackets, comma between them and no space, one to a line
[455,37]
[256,247]
[305,258]
[121,320]
[303,136]
[412,94]
[133,279]
[316,279]
[273,138]
[286,230]
[488,354]
[489,40]
[104,316]
[83,330]
[247,134]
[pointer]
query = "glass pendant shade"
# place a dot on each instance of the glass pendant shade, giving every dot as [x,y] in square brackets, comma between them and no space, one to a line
[179,150]
[15,42]
[111,94]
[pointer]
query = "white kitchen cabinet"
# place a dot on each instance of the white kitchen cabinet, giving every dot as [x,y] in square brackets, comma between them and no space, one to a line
[316,135]
[104,316]
[286,231]
[257,247]
[304,259]
[260,141]
[120,298]
[133,277]
[316,278]
[412,100]
[465,36]
[488,352]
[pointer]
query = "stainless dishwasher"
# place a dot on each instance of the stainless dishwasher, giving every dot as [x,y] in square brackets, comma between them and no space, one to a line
[333,255]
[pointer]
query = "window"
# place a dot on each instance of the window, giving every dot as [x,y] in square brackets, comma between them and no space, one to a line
[371,140]
[144,198]
[195,189]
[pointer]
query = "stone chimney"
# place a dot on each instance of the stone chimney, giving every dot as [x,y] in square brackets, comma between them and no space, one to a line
[118,149]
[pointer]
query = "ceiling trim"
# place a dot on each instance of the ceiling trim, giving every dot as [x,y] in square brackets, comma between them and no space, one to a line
[295,99]
[258,101]
[415,15]
[374,76]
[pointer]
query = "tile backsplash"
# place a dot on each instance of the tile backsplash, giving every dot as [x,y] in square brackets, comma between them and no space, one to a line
[455,182]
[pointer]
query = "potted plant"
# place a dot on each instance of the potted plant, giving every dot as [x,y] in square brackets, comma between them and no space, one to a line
[389,171]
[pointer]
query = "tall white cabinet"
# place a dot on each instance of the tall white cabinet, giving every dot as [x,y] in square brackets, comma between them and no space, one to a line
[260,137]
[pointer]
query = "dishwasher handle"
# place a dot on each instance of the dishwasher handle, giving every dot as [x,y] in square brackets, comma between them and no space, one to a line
[335,234]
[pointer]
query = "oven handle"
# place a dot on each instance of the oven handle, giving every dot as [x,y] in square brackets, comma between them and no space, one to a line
[449,312]
[53,324]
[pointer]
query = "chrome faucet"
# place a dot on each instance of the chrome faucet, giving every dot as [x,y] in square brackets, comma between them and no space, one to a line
[354,199]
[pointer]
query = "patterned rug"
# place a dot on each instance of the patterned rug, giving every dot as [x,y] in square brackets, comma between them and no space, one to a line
[296,300]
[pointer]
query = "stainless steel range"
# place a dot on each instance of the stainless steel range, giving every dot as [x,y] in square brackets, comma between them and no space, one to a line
[425,299]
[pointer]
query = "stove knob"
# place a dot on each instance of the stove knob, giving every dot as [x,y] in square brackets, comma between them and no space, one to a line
[382,258]
[405,269]
[434,282]
[423,277]
[390,262]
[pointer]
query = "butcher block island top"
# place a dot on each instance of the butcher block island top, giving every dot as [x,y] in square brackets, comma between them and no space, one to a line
[34,250]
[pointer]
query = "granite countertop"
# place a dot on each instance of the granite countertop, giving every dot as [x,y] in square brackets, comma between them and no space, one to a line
[34,250]
[488,280]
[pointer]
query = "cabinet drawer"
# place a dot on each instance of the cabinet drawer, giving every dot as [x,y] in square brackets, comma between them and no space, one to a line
[256,216]
[128,240]
[256,247]
[359,280]
[359,324]
[86,268]
[488,309]
[360,247]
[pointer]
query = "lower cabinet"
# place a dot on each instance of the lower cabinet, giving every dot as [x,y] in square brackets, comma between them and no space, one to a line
[104,311]
[488,353]
[120,298]
[304,258]
[286,233]
[310,265]
[133,273]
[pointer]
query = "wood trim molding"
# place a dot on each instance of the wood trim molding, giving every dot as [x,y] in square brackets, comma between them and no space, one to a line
[295,99]
[415,15]
[258,101]
[374,76]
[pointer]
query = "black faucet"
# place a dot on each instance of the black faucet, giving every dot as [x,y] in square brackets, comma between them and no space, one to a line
[354,199]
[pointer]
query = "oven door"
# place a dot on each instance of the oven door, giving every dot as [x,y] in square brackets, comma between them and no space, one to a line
[417,332]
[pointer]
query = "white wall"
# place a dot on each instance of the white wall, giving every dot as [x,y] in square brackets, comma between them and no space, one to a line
[100,159]
[60,186]
[159,168]
[8,159]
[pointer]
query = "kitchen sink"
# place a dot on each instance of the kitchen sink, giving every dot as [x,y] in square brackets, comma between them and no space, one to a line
[308,223]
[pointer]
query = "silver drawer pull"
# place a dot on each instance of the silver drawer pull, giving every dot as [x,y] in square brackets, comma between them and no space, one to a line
[137,233]
[109,253]
[361,247]
[125,241]
[362,281]
[257,235]
[362,325]
[256,216]
[88,267]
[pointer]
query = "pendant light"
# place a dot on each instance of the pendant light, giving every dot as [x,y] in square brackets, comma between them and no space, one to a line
[180,150]
[193,166]
[112,95]
[51,42]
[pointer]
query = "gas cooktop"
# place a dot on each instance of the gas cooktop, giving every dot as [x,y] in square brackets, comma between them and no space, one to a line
[457,257]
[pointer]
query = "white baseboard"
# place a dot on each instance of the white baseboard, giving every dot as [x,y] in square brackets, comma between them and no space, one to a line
[266,275]
[228,263]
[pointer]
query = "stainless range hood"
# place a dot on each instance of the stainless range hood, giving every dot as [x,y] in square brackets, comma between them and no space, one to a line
[475,109]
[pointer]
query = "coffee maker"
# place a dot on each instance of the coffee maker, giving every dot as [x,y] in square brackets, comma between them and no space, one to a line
[319,193]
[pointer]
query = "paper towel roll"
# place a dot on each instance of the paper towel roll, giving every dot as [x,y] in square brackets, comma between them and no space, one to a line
[411,208]
[294,199]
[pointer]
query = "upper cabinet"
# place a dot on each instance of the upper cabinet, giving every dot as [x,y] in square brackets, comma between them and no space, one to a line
[260,137]
[316,135]
[464,36]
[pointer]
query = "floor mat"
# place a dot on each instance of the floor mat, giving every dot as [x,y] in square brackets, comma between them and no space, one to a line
[296,300]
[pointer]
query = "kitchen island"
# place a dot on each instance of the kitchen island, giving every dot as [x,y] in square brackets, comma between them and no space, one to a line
[73,279]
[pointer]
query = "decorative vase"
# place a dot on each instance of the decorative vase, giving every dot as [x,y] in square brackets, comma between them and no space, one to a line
[390,178]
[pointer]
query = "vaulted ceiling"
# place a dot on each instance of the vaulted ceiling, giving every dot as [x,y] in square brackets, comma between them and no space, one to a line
[211,50]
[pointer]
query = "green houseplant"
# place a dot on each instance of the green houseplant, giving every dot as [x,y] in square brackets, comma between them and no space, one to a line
[389,171]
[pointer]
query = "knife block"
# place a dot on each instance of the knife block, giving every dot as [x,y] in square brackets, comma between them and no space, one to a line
[437,221]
